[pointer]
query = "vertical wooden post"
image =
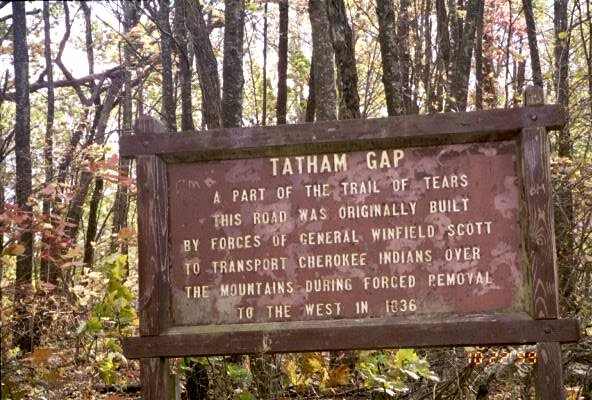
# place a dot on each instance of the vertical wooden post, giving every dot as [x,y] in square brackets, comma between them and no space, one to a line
[153,263]
[540,246]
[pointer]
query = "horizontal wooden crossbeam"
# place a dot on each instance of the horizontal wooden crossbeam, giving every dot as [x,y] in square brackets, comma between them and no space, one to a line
[330,136]
[359,334]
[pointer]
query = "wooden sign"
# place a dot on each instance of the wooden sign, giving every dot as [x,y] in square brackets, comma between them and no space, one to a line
[401,232]
[389,233]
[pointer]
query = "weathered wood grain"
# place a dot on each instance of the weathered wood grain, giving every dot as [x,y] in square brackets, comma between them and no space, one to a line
[153,264]
[153,251]
[493,331]
[536,172]
[157,382]
[540,243]
[549,383]
[477,126]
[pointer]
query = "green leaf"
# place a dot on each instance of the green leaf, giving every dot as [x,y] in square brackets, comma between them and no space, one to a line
[405,356]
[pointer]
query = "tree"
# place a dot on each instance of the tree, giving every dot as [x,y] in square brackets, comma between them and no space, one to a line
[232,72]
[184,65]
[205,64]
[535,61]
[166,43]
[121,204]
[323,66]
[23,188]
[391,73]
[564,212]
[343,46]
[48,268]
[460,79]
[282,91]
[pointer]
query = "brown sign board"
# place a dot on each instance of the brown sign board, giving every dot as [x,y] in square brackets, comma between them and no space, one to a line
[390,233]
[407,231]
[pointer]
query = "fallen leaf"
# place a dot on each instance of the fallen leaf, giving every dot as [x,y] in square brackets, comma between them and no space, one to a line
[41,355]
[339,376]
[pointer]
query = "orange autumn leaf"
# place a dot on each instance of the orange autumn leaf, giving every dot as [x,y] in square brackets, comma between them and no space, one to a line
[41,355]
[339,376]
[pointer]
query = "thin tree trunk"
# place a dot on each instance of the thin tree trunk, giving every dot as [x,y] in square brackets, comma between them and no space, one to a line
[479,65]
[535,61]
[311,100]
[343,45]
[417,67]
[166,43]
[391,73]
[75,210]
[206,65]
[232,71]
[405,58]
[427,68]
[282,91]
[22,140]
[121,203]
[460,83]
[97,193]
[564,212]
[184,67]
[455,32]
[49,271]
[443,54]
[322,54]
[93,216]
[520,76]
[264,94]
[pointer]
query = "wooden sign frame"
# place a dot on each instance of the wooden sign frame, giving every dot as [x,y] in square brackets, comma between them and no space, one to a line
[528,126]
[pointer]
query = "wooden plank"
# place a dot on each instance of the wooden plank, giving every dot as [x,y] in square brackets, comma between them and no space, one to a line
[364,335]
[541,234]
[549,383]
[540,243]
[153,264]
[535,160]
[157,382]
[477,126]
[153,252]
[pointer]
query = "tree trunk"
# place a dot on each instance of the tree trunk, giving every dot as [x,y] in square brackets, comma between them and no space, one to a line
[479,65]
[391,74]
[564,211]
[121,203]
[535,61]
[49,271]
[282,91]
[206,65]
[264,94]
[91,226]
[22,140]
[427,68]
[404,54]
[311,100]
[341,36]
[232,71]
[184,67]
[166,43]
[460,82]
[455,32]
[75,210]
[443,54]
[322,54]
